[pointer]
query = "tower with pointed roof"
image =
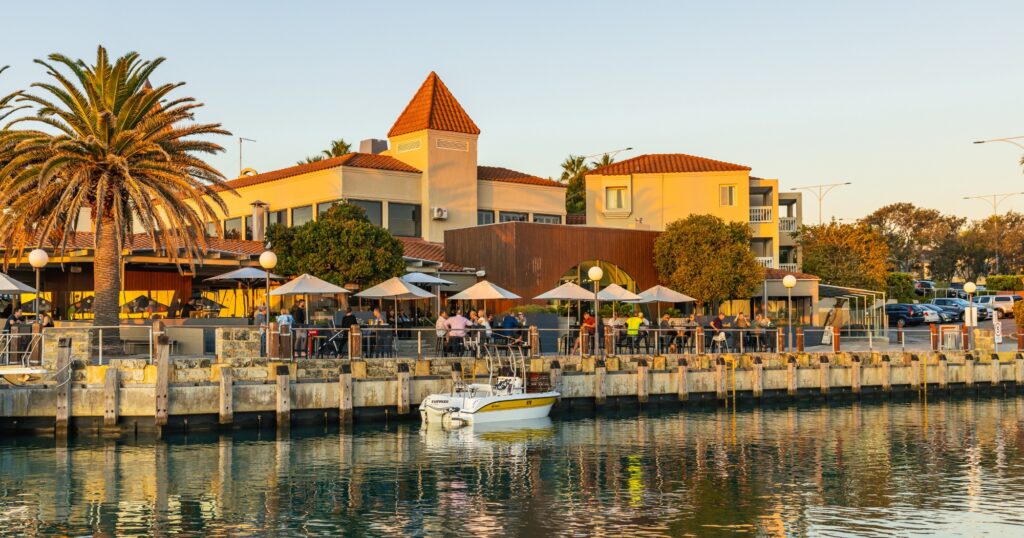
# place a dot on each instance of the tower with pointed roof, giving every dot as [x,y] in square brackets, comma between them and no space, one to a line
[436,135]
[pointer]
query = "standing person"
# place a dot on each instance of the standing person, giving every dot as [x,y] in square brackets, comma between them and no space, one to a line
[347,322]
[299,315]
[188,308]
[456,326]
[590,326]
[262,320]
[645,332]
[441,332]
[485,323]
[509,325]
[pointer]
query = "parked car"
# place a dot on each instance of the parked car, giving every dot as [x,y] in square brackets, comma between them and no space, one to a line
[942,315]
[952,305]
[924,288]
[1002,303]
[905,313]
[956,289]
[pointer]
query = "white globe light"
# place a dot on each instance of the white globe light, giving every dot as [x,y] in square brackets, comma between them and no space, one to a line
[970,287]
[789,281]
[268,260]
[595,273]
[38,258]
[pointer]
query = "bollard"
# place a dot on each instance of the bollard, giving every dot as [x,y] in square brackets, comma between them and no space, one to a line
[227,404]
[700,340]
[63,379]
[966,337]
[284,403]
[934,333]
[757,378]
[800,339]
[791,376]
[345,394]
[534,341]
[915,372]
[110,397]
[969,370]
[835,339]
[555,374]
[163,374]
[682,389]
[642,380]
[823,376]
[1018,371]
[996,372]
[599,373]
[855,375]
[403,389]
[273,344]
[720,386]
[780,340]
[886,375]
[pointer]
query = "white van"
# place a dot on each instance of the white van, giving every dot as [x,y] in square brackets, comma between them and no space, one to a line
[1002,303]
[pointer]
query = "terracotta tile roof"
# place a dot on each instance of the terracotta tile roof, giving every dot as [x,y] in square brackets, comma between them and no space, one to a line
[497,173]
[352,160]
[779,274]
[420,249]
[666,163]
[143,242]
[433,107]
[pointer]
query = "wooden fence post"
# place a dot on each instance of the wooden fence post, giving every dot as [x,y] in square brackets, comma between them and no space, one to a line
[355,342]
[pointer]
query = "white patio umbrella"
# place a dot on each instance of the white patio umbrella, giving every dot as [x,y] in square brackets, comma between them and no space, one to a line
[661,294]
[570,291]
[428,280]
[616,293]
[397,289]
[247,276]
[482,291]
[10,285]
[308,285]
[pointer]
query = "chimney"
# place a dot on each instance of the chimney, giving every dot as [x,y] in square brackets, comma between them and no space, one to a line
[259,221]
[373,146]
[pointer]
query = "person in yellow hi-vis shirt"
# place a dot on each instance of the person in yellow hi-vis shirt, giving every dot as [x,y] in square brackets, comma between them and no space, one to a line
[633,332]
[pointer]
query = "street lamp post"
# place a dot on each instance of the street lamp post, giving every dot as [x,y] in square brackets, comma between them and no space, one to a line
[38,259]
[268,260]
[969,289]
[995,200]
[819,192]
[789,281]
[596,274]
[1008,140]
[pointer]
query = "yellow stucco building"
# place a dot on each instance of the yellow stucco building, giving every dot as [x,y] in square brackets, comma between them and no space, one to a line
[649,192]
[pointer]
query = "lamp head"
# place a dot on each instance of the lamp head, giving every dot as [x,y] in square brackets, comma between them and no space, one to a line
[789,281]
[595,273]
[970,287]
[38,258]
[268,260]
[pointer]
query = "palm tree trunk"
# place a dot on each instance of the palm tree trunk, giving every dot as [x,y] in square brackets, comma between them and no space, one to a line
[106,277]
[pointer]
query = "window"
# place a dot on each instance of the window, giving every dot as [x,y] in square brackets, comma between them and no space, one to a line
[302,215]
[233,228]
[615,198]
[547,219]
[512,216]
[484,216]
[277,217]
[248,227]
[211,229]
[727,195]
[372,208]
[404,219]
[322,207]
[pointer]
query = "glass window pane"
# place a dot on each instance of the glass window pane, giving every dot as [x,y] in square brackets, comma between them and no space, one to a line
[373,210]
[248,227]
[404,219]
[615,198]
[302,215]
[211,229]
[484,216]
[322,207]
[727,195]
[547,219]
[233,228]
[512,216]
[278,217]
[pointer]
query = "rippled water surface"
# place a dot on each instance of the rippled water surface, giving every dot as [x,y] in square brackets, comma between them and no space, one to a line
[945,468]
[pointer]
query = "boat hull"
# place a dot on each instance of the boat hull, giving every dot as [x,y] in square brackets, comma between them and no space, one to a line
[506,408]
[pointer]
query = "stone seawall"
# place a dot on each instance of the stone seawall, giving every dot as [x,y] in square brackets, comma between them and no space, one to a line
[131,394]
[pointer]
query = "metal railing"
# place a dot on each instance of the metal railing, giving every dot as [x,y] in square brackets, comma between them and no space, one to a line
[760,213]
[17,349]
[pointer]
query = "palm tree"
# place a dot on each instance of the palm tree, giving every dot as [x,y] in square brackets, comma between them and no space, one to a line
[606,159]
[338,148]
[109,142]
[6,108]
[574,170]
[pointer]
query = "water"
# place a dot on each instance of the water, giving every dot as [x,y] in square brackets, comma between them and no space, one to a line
[878,469]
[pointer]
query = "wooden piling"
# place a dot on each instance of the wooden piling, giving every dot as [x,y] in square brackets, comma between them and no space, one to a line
[969,371]
[824,381]
[915,372]
[355,342]
[886,374]
[284,401]
[643,380]
[757,378]
[996,372]
[855,375]
[227,404]
[942,367]
[791,376]
[599,374]
[159,328]
[404,395]
[163,377]
[555,375]
[63,386]
[682,387]
[110,397]
[345,394]
[721,390]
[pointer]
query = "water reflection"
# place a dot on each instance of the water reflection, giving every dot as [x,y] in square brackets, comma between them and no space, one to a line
[950,467]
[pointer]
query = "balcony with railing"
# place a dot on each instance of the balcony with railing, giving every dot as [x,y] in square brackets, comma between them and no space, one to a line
[792,267]
[760,213]
[766,261]
[787,224]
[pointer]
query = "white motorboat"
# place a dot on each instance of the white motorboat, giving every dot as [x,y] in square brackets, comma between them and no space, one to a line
[505,399]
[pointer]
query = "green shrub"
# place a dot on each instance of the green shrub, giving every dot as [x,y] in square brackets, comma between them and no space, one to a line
[900,286]
[1018,314]
[1004,283]
[534,309]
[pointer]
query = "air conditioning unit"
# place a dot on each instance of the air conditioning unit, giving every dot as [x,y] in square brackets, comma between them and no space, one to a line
[439,213]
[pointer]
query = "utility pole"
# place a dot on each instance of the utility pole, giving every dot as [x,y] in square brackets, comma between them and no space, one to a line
[995,200]
[240,140]
[819,191]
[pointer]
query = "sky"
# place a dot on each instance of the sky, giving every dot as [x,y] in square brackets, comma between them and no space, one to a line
[885,95]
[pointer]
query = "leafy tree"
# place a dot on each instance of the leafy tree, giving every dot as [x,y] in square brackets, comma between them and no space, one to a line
[1004,283]
[338,148]
[574,171]
[912,233]
[708,259]
[853,255]
[900,286]
[341,247]
[108,141]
